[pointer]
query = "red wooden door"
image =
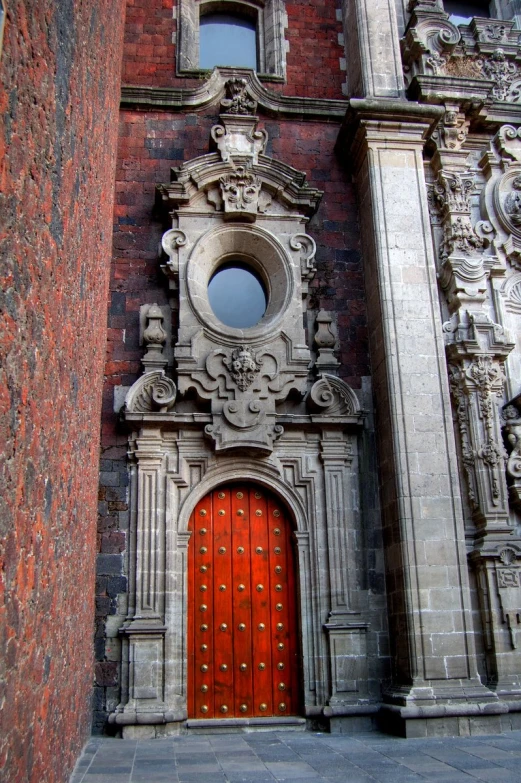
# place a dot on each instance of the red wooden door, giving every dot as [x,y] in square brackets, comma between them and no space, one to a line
[242,630]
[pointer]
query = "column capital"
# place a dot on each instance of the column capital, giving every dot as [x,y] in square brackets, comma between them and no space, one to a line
[370,122]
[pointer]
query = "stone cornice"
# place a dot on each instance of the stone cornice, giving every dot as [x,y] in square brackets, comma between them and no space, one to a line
[211,92]
[402,121]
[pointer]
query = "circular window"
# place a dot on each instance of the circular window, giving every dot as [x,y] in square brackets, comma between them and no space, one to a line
[237,295]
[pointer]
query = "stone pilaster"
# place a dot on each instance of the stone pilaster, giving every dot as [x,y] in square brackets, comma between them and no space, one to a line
[429,600]
[373,62]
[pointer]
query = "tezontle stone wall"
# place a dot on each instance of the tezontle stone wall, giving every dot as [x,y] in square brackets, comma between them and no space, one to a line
[59,90]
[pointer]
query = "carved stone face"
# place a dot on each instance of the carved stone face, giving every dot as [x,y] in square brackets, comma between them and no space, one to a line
[244,362]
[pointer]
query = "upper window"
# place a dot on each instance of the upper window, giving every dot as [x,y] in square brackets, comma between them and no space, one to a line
[227,39]
[462,11]
[234,33]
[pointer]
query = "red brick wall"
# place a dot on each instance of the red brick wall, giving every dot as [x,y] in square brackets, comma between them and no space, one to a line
[59,76]
[312,34]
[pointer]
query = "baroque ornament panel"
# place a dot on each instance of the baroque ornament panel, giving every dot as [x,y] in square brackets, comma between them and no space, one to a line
[225,421]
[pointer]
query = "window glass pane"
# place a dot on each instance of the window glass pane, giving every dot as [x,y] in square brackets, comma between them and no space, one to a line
[227,40]
[237,295]
[462,12]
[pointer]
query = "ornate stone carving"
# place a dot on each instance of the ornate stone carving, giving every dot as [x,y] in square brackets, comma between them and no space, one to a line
[154,339]
[429,39]
[307,247]
[493,33]
[237,100]
[171,241]
[239,138]
[512,432]
[451,195]
[477,388]
[243,366]
[434,51]
[326,342]
[240,191]
[332,397]
[459,237]
[498,69]
[452,192]
[501,199]
[452,130]
[154,391]
[513,203]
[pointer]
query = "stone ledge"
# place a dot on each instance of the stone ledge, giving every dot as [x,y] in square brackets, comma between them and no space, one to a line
[212,91]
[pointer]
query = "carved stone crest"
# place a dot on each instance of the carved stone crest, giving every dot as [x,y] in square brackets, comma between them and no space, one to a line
[237,100]
[499,70]
[243,366]
[240,191]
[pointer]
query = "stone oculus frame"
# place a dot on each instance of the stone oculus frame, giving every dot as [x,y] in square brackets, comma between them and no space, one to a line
[229,419]
[270,18]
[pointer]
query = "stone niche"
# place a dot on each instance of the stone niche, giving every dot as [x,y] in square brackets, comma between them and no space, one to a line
[247,404]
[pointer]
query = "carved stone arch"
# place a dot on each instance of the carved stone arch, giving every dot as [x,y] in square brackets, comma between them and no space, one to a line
[271,21]
[250,470]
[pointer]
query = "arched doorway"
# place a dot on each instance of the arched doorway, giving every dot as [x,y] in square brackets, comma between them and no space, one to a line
[243,656]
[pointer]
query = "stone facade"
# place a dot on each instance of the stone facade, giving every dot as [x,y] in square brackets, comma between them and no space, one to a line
[410,619]
[370,175]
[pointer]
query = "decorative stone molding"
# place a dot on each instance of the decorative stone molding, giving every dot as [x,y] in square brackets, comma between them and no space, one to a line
[306,246]
[240,156]
[443,61]
[212,90]
[511,291]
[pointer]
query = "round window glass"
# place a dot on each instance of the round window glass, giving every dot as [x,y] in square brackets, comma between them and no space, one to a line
[237,295]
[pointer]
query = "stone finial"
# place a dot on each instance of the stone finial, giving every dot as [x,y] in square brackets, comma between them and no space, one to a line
[325,341]
[154,338]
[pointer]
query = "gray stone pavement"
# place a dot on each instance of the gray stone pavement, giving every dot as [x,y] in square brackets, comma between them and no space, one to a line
[301,758]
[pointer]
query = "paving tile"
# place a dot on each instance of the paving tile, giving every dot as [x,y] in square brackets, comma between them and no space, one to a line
[283,770]
[266,758]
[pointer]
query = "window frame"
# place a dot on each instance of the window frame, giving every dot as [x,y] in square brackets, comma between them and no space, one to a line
[271,20]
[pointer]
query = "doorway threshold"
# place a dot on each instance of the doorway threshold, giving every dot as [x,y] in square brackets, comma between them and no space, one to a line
[244,725]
